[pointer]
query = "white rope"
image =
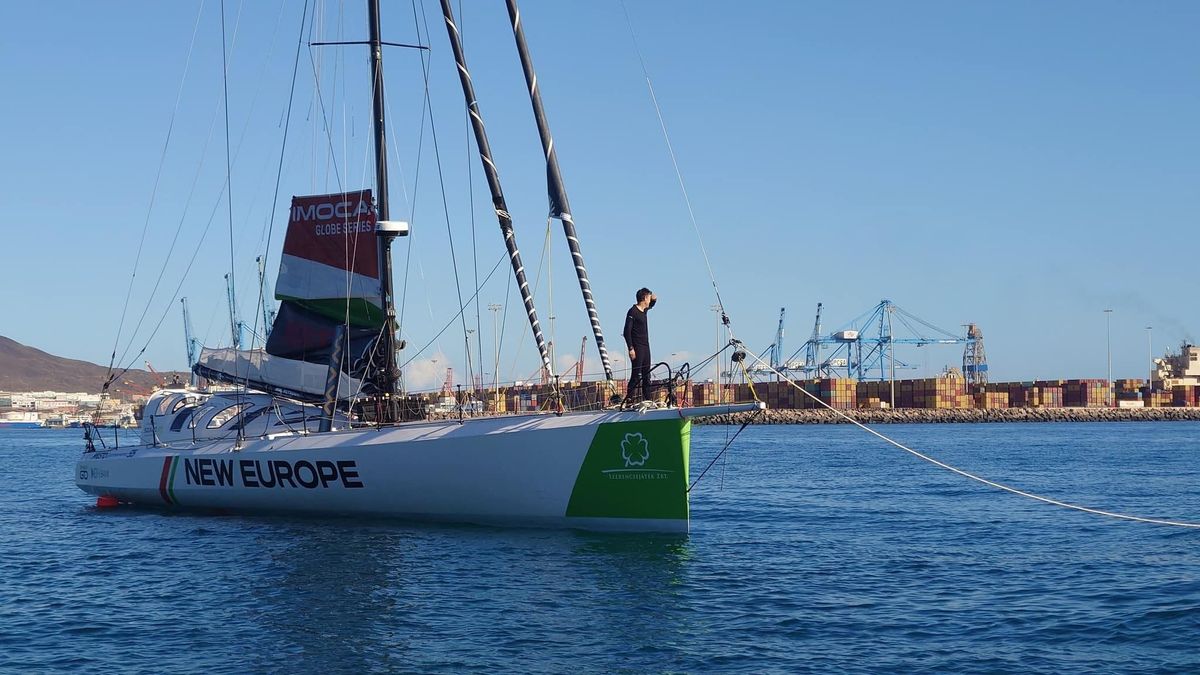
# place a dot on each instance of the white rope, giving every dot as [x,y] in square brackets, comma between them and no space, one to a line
[967,474]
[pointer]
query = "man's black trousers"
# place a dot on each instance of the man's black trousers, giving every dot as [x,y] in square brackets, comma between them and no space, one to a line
[639,374]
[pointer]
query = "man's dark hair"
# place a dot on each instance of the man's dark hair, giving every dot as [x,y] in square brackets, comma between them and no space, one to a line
[642,294]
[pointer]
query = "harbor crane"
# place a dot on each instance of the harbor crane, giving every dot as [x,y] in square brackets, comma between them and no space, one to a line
[974,360]
[265,307]
[865,347]
[812,348]
[777,348]
[161,377]
[774,354]
[193,345]
[236,326]
[579,366]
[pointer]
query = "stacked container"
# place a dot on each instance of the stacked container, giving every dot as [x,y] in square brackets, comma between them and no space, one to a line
[838,393]
[991,399]
[1158,399]
[936,393]
[1185,396]
[1085,393]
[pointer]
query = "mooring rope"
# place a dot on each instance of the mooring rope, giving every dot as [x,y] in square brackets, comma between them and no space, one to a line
[733,340]
[967,474]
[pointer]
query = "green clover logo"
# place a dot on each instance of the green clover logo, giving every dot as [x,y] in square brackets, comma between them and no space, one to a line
[635,450]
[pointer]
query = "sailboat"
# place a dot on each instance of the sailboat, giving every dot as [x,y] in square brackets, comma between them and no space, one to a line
[293,439]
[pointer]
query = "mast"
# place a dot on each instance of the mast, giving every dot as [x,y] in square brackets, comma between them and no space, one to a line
[560,208]
[388,376]
[493,179]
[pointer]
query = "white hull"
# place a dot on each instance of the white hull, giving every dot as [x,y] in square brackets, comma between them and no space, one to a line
[594,470]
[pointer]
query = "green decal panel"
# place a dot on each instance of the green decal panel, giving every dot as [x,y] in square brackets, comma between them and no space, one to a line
[635,470]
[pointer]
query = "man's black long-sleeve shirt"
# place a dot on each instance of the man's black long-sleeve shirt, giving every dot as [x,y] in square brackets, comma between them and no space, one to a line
[637,332]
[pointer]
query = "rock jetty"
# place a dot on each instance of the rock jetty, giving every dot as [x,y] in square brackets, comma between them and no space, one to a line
[962,416]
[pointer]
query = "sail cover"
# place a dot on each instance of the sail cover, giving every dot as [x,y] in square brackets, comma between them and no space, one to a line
[329,275]
[257,369]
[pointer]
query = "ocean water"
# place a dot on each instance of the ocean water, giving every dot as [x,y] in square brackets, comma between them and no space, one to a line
[814,549]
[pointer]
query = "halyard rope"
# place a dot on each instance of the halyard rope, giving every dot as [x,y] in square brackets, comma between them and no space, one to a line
[967,474]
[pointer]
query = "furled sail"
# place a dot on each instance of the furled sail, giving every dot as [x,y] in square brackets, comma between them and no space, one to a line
[256,369]
[328,276]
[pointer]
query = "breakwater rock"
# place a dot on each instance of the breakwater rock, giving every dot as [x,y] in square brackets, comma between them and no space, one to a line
[961,416]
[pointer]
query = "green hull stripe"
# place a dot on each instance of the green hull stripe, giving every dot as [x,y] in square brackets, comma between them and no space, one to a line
[635,470]
[171,481]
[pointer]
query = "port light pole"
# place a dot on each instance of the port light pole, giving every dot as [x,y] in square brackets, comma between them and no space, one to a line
[717,359]
[1150,353]
[495,308]
[1108,343]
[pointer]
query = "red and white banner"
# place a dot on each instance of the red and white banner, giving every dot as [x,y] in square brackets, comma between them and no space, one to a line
[336,230]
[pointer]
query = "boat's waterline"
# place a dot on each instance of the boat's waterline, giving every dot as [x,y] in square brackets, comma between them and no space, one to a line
[608,470]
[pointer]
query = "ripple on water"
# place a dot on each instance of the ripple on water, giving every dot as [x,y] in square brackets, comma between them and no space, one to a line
[814,549]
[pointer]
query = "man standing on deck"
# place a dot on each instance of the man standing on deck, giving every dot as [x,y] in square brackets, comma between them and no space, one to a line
[637,339]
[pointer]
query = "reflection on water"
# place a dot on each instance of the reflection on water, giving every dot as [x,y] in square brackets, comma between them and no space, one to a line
[823,550]
[350,597]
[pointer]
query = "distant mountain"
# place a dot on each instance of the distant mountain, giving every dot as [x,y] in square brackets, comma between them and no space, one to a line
[24,368]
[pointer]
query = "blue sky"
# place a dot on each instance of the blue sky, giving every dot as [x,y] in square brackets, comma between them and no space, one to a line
[1018,165]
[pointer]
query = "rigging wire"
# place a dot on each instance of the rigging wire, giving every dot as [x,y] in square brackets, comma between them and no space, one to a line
[461,310]
[537,282]
[283,147]
[674,162]
[425,108]
[446,212]
[183,278]
[471,209]
[331,157]
[175,238]
[203,235]
[229,180]
[153,194]
[199,245]
[550,290]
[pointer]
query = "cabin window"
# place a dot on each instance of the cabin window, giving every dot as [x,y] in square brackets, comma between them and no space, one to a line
[199,414]
[225,415]
[165,404]
[179,404]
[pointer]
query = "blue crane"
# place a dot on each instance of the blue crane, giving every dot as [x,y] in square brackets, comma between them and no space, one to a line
[777,349]
[193,345]
[864,349]
[773,354]
[266,307]
[812,348]
[236,326]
